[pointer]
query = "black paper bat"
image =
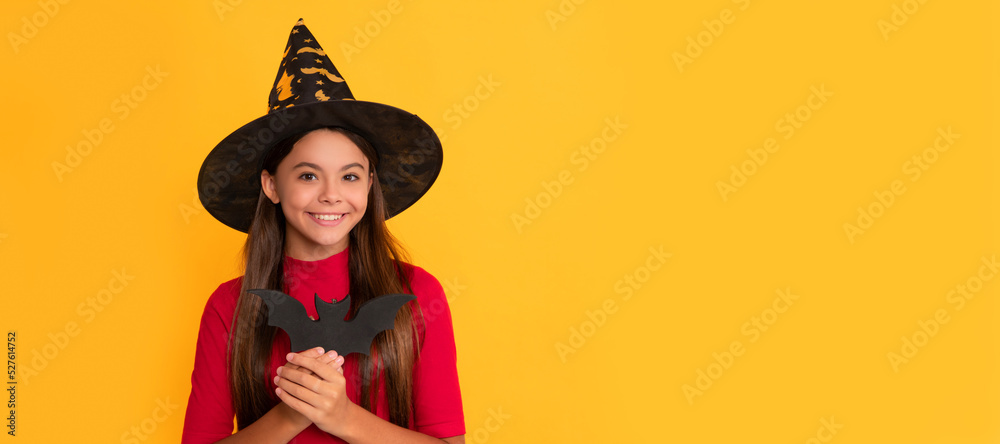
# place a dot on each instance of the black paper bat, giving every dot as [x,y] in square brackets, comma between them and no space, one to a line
[331,331]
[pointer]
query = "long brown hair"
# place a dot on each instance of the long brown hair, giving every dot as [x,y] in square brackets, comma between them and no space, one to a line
[375,268]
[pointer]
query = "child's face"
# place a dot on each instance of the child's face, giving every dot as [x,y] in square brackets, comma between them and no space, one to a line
[325,175]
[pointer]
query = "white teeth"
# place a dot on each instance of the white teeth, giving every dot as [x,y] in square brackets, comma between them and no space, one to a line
[327,216]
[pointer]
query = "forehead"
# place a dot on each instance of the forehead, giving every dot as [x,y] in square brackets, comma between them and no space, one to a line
[326,149]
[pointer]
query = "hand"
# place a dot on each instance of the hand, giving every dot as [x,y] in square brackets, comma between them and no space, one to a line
[315,387]
[331,359]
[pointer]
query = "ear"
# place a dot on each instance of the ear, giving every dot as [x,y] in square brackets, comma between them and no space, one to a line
[371,178]
[267,184]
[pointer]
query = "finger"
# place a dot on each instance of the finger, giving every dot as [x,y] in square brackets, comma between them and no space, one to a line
[315,351]
[322,370]
[327,357]
[310,353]
[331,359]
[290,366]
[304,387]
[295,403]
[300,376]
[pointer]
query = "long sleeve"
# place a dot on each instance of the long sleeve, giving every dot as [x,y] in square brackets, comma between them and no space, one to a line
[210,414]
[436,392]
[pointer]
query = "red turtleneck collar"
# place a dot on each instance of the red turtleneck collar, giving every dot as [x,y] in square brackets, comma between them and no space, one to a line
[326,277]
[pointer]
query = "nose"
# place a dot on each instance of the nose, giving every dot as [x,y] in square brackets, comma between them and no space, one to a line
[331,192]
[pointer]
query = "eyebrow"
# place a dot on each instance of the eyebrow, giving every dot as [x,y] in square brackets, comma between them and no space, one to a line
[317,167]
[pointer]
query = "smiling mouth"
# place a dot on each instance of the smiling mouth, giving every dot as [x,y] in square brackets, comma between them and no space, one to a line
[326,216]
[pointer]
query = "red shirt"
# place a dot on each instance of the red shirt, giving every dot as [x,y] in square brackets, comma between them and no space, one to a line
[436,395]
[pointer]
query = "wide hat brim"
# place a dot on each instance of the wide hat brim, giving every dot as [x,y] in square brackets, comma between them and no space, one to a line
[409,155]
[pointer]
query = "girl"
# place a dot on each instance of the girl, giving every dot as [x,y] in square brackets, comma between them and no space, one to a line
[312,184]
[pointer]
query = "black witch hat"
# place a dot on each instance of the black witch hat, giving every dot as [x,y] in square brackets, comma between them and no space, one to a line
[310,93]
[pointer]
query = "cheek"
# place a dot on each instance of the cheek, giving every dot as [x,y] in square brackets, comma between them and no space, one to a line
[292,198]
[360,198]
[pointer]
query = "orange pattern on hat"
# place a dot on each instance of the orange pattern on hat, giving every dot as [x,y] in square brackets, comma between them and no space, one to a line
[318,51]
[332,77]
[284,86]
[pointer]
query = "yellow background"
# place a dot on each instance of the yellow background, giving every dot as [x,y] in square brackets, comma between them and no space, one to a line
[519,291]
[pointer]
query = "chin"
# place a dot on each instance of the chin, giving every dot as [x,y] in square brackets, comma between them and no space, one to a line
[327,241]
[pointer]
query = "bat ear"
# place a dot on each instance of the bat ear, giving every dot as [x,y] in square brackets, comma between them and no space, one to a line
[335,310]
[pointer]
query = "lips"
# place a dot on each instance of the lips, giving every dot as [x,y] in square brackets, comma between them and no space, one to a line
[326,217]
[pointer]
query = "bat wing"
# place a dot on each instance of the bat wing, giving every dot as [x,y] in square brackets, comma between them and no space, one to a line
[288,314]
[373,317]
[331,331]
